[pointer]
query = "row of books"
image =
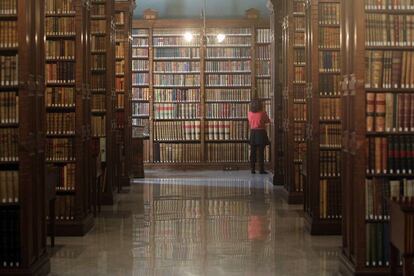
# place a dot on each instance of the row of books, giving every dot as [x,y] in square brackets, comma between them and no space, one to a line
[330,135]
[98,103]
[177,153]
[263,36]
[299,8]
[177,111]
[264,88]
[329,37]
[140,79]
[176,80]
[140,109]
[8,7]
[98,26]
[120,18]
[389,29]
[98,44]
[329,61]
[228,53]
[299,75]
[120,83]
[377,244]
[330,163]
[229,31]
[389,5]
[67,177]
[329,85]
[139,93]
[299,93]
[9,186]
[142,126]
[10,244]
[263,52]
[60,26]
[228,80]
[298,178]
[65,208]
[228,152]
[8,35]
[299,151]
[120,100]
[389,69]
[228,66]
[60,149]
[300,112]
[233,95]
[330,199]
[263,68]
[98,82]
[392,154]
[330,109]
[140,42]
[378,192]
[98,62]
[60,72]
[226,110]
[299,23]
[176,66]
[181,130]
[9,139]
[120,67]
[329,13]
[9,107]
[299,56]
[60,49]
[230,40]
[140,65]
[174,41]
[120,50]
[299,39]
[390,112]
[9,70]
[299,131]
[98,8]
[98,125]
[226,130]
[139,32]
[60,123]
[176,53]
[176,95]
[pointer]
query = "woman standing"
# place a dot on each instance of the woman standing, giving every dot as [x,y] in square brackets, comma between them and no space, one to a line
[258,119]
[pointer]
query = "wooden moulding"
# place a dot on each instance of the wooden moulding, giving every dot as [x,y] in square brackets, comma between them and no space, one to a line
[75,228]
[322,227]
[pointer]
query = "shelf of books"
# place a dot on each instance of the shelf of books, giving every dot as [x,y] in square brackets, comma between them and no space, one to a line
[294,100]
[103,91]
[22,187]
[123,23]
[191,99]
[66,24]
[323,179]
[378,127]
[214,217]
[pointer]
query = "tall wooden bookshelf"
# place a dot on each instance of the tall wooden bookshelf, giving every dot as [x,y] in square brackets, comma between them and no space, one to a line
[276,72]
[377,85]
[184,92]
[67,112]
[103,91]
[323,186]
[294,100]
[123,22]
[22,159]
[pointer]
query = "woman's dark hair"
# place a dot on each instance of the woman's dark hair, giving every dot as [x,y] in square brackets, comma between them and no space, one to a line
[255,106]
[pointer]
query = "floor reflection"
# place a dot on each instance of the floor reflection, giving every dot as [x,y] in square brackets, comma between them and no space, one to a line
[211,223]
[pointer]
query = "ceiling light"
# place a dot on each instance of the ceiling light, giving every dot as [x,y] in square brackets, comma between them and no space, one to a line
[188,36]
[221,37]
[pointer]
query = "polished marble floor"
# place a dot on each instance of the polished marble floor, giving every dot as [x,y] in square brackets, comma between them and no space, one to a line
[198,223]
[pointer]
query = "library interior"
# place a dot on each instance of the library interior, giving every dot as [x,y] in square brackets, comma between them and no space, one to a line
[206,137]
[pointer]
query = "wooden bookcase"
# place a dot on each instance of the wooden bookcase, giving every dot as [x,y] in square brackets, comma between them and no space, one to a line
[276,82]
[197,86]
[67,113]
[366,228]
[123,22]
[22,158]
[294,100]
[323,186]
[103,91]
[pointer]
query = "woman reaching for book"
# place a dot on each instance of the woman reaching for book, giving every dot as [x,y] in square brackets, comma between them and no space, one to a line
[258,119]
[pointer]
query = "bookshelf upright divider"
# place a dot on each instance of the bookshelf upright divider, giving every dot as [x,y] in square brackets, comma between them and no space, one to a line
[66,122]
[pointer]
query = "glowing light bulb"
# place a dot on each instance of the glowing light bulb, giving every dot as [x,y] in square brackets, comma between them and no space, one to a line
[188,36]
[221,37]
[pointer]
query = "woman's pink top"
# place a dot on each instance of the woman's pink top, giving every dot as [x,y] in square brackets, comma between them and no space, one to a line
[258,120]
